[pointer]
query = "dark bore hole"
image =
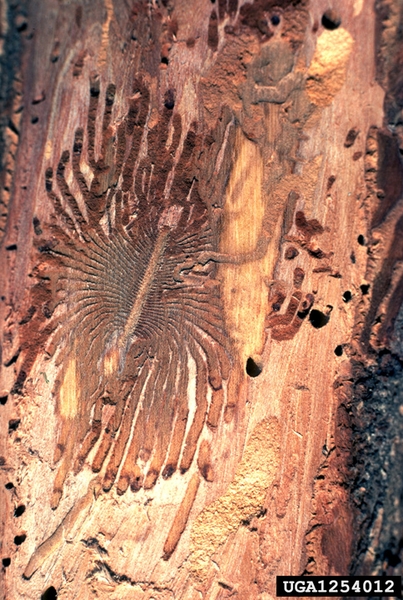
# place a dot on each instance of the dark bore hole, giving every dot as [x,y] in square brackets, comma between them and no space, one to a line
[168,472]
[392,559]
[13,424]
[49,594]
[338,350]
[20,539]
[6,562]
[19,510]
[34,120]
[331,20]
[169,99]
[275,20]
[364,289]
[291,253]
[22,25]
[252,369]
[361,240]
[37,226]
[9,485]
[347,296]
[94,89]
[318,319]
[3,400]
[164,60]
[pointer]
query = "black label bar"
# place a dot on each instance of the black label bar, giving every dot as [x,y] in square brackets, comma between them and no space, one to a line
[338,586]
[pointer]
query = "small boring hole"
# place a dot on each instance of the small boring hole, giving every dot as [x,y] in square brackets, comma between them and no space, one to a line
[49,594]
[9,485]
[275,20]
[361,240]
[20,539]
[3,400]
[169,99]
[37,226]
[318,319]
[291,252]
[21,23]
[164,60]
[252,368]
[6,562]
[338,350]
[347,296]
[364,289]
[13,424]
[331,20]
[19,510]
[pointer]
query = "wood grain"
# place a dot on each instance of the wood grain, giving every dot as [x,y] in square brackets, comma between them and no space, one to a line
[202,224]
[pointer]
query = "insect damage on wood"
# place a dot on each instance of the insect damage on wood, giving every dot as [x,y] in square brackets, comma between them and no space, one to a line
[131,255]
[128,296]
[132,251]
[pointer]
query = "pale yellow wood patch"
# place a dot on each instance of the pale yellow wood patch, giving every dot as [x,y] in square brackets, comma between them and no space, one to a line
[244,285]
[328,70]
[111,362]
[69,392]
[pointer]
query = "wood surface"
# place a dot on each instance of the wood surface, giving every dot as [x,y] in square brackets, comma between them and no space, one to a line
[202,257]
